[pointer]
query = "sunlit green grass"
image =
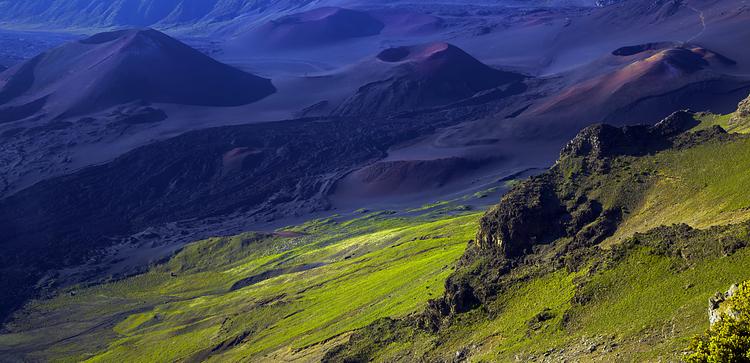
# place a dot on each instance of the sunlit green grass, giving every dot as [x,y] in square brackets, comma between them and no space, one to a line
[364,269]
[709,120]
[643,305]
[387,265]
[701,186]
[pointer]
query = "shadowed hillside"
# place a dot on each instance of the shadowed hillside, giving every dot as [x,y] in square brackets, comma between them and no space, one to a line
[316,27]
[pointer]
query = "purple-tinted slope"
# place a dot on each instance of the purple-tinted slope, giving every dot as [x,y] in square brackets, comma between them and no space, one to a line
[316,27]
[112,68]
[424,76]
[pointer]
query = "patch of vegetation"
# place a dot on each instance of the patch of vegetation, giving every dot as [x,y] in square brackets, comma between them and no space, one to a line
[728,340]
[301,287]
[429,206]
[702,186]
[639,301]
[730,122]
[485,193]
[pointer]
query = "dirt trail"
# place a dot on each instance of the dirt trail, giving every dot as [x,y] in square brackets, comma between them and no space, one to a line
[702,19]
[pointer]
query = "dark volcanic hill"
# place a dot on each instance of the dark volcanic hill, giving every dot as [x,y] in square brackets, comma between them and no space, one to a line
[426,76]
[316,27]
[113,68]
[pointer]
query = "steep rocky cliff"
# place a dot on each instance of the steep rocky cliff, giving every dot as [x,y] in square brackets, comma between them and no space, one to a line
[575,204]
[552,206]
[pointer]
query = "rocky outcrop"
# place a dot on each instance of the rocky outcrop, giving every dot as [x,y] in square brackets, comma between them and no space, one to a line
[719,305]
[675,124]
[542,209]
[557,206]
[527,216]
[539,213]
[602,140]
[743,112]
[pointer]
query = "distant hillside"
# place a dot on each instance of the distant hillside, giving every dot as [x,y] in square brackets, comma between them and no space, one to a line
[114,68]
[275,297]
[428,75]
[313,28]
[106,13]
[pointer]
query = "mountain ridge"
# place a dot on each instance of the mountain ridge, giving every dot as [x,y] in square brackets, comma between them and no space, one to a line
[583,219]
[105,14]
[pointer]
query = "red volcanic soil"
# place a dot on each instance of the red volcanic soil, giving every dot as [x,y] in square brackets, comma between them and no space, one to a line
[405,176]
[317,27]
[445,62]
[426,76]
[113,68]
[645,74]
[408,23]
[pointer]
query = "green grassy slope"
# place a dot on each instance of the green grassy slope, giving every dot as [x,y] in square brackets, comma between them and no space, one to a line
[337,289]
[702,186]
[735,123]
[322,279]
[641,302]
[638,295]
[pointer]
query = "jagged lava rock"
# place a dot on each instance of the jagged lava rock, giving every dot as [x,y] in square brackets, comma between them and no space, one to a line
[605,140]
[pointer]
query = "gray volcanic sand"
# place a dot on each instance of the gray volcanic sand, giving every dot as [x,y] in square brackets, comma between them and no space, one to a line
[565,45]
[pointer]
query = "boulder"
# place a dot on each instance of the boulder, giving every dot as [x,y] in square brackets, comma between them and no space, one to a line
[719,306]
[743,112]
